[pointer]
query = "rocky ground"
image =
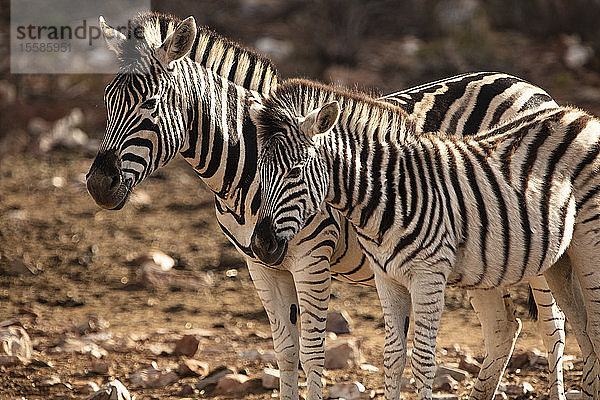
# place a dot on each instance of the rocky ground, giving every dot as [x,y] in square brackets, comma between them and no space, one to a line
[155,297]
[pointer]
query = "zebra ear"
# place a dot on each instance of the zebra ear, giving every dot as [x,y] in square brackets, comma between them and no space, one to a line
[179,43]
[114,38]
[321,120]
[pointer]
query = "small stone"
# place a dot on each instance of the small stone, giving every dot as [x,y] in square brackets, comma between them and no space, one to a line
[50,381]
[520,360]
[231,384]
[42,363]
[157,272]
[113,390]
[270,378]
[153,378]
[87,388]
[407,384]
[101,367]
[518,389]
[267,356]
[214,377]
[191,367]
[469,364]
[93,324]
[369,367]
[444,396]
[187,346]
[574,395]
[342,354]
[18,267]
[72,345]
[455,373]
[15,346]
[338,322]
[500,396]
[348,391]
[445,383]
[188,390]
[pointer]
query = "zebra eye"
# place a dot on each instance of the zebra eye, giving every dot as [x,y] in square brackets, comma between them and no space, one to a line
[149,104]
[294,172]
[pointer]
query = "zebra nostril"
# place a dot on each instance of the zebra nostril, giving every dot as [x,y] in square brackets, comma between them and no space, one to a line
[272,245]
[115,182]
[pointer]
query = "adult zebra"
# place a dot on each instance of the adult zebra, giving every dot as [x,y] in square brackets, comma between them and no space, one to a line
[160,105]
[479,212]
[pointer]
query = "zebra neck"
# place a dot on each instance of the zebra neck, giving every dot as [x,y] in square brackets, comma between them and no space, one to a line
[368,177]
[221,143]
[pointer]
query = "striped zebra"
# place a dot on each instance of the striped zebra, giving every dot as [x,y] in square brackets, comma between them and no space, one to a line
[196,105]
[479,212]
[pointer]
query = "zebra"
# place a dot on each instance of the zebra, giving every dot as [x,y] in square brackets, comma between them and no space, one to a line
[220,75]
[479,212]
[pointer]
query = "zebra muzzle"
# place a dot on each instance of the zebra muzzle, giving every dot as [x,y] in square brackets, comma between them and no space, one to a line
[265,245]
[105,182]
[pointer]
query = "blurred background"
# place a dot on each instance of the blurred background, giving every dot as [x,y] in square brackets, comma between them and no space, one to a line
[377,45]
[64,262]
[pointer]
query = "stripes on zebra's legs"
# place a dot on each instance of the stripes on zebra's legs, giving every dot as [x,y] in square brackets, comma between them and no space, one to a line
[500,331]
[313,283]
[278,294]
[396,305]
[584,253]
[551,322]
[427,295]
[565,288]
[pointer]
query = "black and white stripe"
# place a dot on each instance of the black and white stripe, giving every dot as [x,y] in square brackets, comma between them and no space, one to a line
[483,212]
[199,109]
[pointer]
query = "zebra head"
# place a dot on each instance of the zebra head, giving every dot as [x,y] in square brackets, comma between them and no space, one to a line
[146,114]
[293,176]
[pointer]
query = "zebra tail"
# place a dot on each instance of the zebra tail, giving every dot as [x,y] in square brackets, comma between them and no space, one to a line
[533,310]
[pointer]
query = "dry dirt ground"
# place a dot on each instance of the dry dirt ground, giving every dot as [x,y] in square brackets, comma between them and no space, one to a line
[82,256]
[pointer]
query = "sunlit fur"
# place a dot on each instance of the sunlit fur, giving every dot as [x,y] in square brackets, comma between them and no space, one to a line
[217,141]
[434,209]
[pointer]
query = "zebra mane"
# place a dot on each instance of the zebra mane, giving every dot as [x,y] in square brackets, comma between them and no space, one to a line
[297,97]
[226,58]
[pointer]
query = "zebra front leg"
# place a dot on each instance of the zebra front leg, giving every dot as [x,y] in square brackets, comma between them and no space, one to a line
[500,331]
[396,304]
[567,292]
[551,322]
[427,294]
[278,294]
[313,283]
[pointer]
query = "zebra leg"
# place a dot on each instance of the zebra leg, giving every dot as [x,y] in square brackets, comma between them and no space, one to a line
[500,331]
[551,323]
[278,294]
[396,303]
[427,294]
[313,283]
[567,292]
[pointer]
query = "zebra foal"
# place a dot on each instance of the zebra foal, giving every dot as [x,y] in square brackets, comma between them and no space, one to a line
[481,212]
[159,105]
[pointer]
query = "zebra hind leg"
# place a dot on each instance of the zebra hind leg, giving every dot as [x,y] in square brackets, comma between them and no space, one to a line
[551,323]
[278,294]
[567,292]
[500,331]
[396,304]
